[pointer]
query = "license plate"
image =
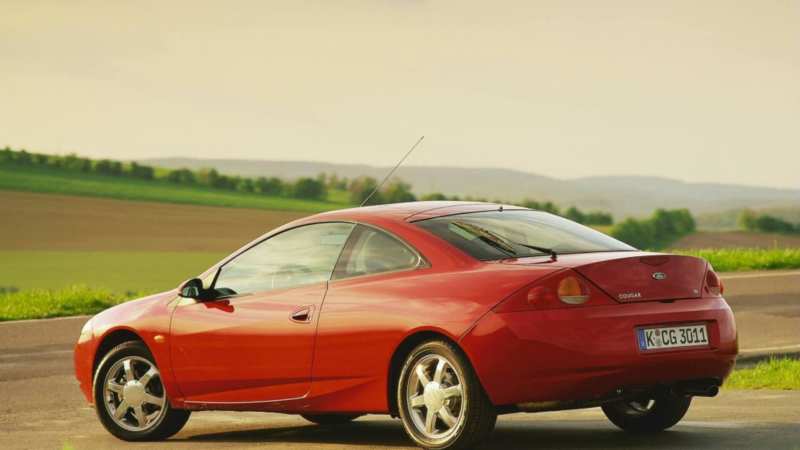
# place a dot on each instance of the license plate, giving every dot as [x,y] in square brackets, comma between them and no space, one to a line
[672,337]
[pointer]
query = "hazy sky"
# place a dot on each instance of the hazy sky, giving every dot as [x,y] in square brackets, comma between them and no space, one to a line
[694,90]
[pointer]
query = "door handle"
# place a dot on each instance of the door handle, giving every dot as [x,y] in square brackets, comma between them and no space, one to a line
[302,315]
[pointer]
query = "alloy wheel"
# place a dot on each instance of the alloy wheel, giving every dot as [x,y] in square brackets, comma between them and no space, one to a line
[133,394]
[435,397]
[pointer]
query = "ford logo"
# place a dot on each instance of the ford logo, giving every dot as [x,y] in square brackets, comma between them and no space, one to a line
[659,275]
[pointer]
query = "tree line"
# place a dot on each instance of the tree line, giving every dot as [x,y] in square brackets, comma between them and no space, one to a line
[308,188]
[749,220]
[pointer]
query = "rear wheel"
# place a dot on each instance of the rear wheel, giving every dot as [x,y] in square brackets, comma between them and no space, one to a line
[130,398]
[330,419]
[440,400]
[648,415]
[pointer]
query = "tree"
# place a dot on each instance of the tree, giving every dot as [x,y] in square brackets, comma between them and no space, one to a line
[23,157]
[269,186]
[136,170]
[309,188]
[398,192]
[208,177]
[639,234]
[181,176]
[361,187]
[434,196]
[102,166]
[546,206]
[245,185]
[334,182]
[598,218]
[747,220]
[6,155]
[77,164]
[575,214]
[771,224]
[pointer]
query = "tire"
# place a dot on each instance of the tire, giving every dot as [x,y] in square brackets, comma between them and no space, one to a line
[330,419]
[142,398]
[650,415]
[462,414]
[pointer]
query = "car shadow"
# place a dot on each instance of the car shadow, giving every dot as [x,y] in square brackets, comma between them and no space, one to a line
[509,434]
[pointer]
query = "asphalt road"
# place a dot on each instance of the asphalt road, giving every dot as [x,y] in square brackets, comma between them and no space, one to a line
[41,407]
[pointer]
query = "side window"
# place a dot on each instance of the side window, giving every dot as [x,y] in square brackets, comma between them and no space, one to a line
[373,251]
[295,257]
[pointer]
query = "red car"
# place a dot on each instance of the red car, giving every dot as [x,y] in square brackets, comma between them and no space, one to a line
[444,314]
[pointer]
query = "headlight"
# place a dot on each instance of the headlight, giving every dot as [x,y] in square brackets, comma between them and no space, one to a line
[86,332]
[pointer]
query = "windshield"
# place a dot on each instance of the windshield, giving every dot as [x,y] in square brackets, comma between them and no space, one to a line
[493,235]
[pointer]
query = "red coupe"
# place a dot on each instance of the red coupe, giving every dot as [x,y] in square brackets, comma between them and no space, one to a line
[444,314]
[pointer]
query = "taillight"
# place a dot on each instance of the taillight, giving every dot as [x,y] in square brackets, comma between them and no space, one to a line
[572,291]
[713,283]
[565,289]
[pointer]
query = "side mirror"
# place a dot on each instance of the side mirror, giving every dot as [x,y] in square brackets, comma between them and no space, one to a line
[192,288]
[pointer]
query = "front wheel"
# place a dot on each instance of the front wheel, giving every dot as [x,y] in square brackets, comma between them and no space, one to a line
[130,399]
[440,400]
[648,415]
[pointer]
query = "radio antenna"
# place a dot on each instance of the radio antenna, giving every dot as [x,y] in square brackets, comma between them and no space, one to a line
[391,172]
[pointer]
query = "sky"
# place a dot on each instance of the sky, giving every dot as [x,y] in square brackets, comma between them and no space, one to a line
[698,91]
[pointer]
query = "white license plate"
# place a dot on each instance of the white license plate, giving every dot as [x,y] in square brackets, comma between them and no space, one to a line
[672,337]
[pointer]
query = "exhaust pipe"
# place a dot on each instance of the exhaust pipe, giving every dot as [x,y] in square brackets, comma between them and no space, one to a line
[706,388]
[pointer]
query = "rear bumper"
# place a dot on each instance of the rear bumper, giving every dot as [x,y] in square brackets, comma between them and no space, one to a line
[581,354]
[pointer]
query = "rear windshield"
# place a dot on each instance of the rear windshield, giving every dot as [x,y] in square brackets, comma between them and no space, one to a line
[505,234]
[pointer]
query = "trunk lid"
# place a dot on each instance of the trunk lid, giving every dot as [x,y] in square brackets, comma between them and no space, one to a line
[646,277]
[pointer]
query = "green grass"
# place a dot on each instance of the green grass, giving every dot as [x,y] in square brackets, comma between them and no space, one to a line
[116,271]
[85,184]
[783,373]
[740,259]
[43,303]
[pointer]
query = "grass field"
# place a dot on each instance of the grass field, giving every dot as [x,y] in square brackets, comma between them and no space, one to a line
[781,373]
[43,303]
[116,271]
[737,239]
[60,182]
[32,221]
[732,260]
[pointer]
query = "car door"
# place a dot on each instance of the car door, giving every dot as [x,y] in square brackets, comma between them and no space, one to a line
[256,344]
[362,320]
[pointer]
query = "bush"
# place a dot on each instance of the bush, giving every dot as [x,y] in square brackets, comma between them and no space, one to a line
[661,229]
[750,221]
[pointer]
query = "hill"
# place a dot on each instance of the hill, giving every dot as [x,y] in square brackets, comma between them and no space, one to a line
[621,195]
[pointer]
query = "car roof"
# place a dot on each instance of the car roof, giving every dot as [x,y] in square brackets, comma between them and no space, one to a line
[410,211]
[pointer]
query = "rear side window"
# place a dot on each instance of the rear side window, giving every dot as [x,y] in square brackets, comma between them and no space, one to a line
[371,251]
